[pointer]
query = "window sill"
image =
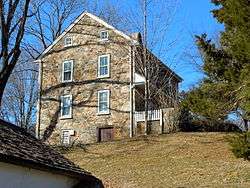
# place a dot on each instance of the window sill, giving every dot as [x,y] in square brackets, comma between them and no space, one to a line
[103,114]
[104,40]
[65,117]
[67,81]
[101,77]
[69,45]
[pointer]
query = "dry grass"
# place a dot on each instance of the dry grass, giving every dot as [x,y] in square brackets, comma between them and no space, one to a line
[176,160]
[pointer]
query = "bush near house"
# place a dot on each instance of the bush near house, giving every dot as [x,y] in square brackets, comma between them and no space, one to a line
[241,145]
[207,126]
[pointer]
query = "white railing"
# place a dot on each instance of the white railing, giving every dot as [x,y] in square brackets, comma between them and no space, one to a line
[153,115]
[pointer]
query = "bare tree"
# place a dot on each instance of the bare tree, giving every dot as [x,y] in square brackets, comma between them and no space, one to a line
[153,22]
[20,95]
[46,25]
[12,24]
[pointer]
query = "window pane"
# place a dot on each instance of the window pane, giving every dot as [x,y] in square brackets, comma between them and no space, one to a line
[66,105]
[67,76]
[66,111]
[104,35]
[68,41]
[103,107]
[67,66]
[103,70]
[103,97]
[103,61]
[103,101]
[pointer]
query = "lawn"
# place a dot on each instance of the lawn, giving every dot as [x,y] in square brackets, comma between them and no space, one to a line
[174,160]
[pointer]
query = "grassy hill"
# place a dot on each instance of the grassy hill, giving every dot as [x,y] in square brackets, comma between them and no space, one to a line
[175,160]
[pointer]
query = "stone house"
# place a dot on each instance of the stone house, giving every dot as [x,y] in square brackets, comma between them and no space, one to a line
[92,85]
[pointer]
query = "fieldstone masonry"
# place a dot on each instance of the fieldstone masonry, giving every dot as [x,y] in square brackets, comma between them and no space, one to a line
[84,53]
[84,88]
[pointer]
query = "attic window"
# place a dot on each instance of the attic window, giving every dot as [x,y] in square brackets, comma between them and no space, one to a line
[68,41]
[104,35]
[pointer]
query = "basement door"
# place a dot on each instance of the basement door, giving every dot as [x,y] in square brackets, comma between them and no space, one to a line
[106,134]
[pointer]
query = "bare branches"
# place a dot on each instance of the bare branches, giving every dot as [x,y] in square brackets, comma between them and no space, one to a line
[12,32]
[51,18]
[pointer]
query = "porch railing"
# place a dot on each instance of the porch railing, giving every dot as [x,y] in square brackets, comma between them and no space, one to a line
[153,115]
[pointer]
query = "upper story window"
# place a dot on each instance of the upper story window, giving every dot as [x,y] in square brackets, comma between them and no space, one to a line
[104,35]
[68,41]
[66,106]
[67,71]
[103,102]
[103,66]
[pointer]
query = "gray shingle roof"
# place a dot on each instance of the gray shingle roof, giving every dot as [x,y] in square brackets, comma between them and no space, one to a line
[21,148]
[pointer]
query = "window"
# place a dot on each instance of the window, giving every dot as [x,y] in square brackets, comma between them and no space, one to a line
[103,66]
[104,35]
[65,137]
[103,102]
[67,71]
[68,41]
[66,106]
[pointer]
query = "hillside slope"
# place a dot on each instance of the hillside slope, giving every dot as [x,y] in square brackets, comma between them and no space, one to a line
[175,160]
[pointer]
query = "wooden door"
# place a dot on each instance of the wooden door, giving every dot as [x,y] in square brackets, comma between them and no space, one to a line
[106,134]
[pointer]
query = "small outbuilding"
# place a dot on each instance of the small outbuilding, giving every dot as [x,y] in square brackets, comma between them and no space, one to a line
[26,162]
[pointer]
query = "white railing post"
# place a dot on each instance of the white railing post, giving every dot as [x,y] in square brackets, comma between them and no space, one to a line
[153,115]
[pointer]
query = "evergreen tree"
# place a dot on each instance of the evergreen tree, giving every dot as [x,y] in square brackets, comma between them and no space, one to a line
[226,86]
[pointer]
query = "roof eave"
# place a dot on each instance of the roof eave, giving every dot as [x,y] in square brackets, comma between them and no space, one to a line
[44,167]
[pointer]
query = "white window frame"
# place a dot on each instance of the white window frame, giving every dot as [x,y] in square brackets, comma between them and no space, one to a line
[68,135]
[104,39]
[72,68]
[70,132]
[108,102]
[99,63]
[65,43]
[70,111]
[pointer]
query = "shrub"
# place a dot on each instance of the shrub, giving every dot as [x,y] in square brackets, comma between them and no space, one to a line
[241,145]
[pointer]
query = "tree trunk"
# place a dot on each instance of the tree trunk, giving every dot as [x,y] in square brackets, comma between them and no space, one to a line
[246,122]
[3,83]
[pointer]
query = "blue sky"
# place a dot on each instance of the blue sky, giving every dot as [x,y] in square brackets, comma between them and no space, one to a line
[188,18]
[191,17]
[196,18]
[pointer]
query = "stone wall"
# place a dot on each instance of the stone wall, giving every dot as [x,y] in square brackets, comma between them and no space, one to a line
[170,120]
[84,52]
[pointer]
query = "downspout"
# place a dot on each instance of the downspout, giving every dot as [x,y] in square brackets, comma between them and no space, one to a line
[38,121]
[131,91]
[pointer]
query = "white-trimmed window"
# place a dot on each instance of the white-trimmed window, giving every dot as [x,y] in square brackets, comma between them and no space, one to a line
[67,71]
[65,137]
[103,101]
[103,66]
[66,106]
[104,35]
[68,41]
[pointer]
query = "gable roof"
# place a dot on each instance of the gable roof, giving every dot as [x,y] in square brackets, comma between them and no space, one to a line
[21,148]
[105,24]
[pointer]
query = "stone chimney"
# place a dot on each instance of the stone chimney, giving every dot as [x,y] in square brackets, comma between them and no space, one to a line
[137,37]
